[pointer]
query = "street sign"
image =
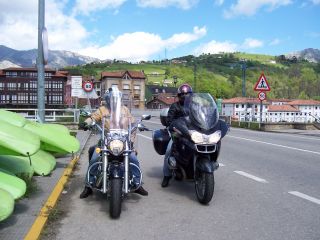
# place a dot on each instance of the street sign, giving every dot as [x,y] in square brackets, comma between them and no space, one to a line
[76,82]
[262,84]
[76,92]
[262,96]
[87,86]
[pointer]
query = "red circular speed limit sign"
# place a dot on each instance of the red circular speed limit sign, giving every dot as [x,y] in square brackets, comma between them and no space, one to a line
[262,96]
[87,86]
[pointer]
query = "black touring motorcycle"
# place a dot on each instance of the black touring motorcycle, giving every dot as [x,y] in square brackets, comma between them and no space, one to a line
[196,143]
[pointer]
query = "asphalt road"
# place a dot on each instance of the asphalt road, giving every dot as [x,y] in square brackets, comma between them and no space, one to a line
[266,188]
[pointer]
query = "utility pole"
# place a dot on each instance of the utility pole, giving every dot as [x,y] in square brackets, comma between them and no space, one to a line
[40,64]
[195,76]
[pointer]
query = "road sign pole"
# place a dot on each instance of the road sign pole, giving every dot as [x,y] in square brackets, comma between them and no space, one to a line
[260,114]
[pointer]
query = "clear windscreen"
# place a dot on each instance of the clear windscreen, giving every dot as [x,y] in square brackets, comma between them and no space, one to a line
[119,118]
[202,109]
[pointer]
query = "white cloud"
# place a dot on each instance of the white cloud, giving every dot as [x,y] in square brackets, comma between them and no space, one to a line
[19,26]
[315,2]
[87,6]
[216,47]
[250,8]
[184,38]
[183,4]
[227,46]
[219,2]
[139,46]
[274,42]
[251,43]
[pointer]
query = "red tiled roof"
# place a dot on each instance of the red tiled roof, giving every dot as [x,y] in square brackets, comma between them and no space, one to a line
[304,102]
[240,100]
[120,74]
[167,99]
[282,108]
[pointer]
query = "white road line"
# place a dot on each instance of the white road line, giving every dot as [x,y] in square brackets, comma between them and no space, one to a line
[277,145]
[251,176]
[153,122]
[144,136]
[304,196]
[221,165]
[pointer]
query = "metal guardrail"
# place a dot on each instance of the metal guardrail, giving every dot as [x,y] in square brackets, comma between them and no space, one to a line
[51,115]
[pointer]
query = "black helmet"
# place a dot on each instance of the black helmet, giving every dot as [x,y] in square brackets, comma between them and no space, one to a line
[184,89]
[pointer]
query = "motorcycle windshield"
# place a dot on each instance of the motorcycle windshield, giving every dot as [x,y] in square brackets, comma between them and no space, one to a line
[119,118]
[203,111]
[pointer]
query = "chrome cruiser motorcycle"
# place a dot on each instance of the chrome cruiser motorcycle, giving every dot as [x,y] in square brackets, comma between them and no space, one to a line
[196,143]
[112,172]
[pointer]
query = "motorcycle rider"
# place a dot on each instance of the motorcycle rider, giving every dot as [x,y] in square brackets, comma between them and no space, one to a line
[104,110]
[176,111]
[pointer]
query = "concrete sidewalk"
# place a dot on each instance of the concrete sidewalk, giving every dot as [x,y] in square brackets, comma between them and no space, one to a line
[27,209]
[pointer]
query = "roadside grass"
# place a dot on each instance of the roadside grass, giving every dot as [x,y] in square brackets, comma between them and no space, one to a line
[54,214]
[31,183]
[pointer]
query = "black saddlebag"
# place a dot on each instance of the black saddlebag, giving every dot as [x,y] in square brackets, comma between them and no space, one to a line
[160,139]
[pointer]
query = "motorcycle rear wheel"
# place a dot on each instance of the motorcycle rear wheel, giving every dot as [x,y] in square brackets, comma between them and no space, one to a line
[115,197]
[204,186]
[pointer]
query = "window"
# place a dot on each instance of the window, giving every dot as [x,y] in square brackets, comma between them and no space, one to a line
[1,86]
[242,105]
[12,86]
[237,105]
[126,87]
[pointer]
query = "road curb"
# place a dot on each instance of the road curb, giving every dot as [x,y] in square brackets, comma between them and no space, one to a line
[39,223]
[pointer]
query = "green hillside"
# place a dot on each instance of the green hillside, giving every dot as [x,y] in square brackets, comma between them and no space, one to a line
[221,74]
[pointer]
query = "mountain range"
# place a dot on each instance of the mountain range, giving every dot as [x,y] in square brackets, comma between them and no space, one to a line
[27,58]
[60,58]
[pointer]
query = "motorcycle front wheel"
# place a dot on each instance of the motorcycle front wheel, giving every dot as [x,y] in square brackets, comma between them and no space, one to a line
[115,197]
[204,186]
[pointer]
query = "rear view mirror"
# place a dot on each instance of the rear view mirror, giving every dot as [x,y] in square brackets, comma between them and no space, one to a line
[145,117]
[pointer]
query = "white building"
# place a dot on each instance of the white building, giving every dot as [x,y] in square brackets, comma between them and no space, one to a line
[273,110]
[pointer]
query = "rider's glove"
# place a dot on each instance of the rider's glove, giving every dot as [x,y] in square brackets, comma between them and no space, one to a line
[84,126]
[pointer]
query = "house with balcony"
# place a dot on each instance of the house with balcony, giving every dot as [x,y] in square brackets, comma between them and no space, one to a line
[19,88]
[131,83]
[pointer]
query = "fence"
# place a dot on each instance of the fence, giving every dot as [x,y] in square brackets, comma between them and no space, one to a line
[51,115]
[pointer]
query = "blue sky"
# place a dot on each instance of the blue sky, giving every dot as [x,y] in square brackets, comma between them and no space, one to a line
[137,30]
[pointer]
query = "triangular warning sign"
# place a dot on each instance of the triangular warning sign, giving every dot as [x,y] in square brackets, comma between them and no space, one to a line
[262,84]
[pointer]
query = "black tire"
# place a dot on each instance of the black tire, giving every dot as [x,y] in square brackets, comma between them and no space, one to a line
[115,197]
[204,186]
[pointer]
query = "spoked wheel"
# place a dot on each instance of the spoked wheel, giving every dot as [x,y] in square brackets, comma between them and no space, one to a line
[204,186]
[115,197]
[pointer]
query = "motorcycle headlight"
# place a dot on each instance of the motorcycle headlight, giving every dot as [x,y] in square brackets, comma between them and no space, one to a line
[196,137]
[215,137]
[116,147]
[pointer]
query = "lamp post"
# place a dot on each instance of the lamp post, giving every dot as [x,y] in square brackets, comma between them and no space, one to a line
[195,76]
[243,67]
[175,80]
[40,63]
